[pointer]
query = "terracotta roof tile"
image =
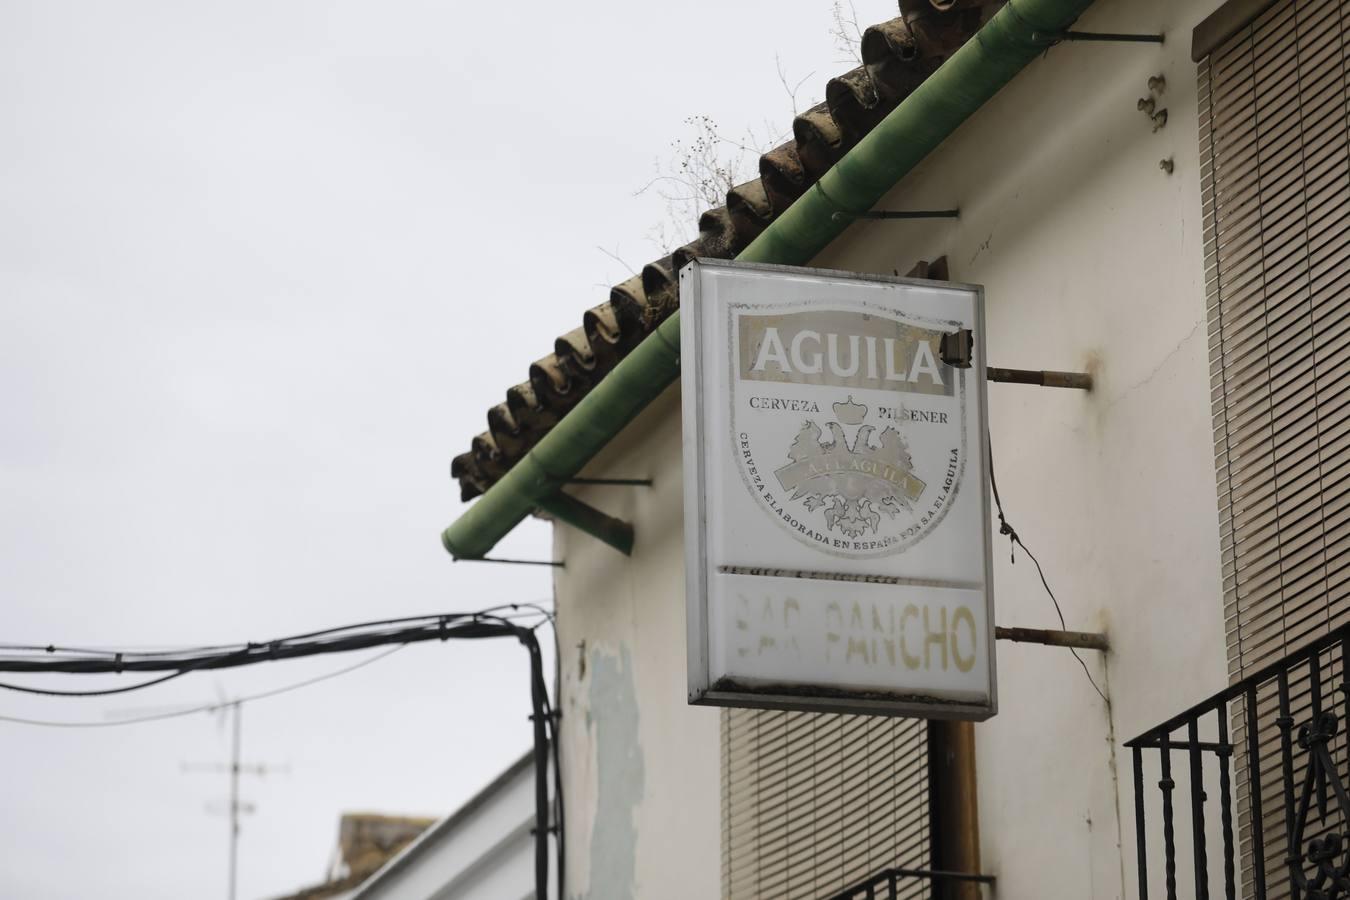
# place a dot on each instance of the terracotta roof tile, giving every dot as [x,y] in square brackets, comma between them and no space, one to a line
[897,56]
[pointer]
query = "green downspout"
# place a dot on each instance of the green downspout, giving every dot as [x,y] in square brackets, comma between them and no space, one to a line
[1019,32]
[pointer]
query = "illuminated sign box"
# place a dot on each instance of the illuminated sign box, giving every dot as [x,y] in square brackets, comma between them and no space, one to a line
[837,538]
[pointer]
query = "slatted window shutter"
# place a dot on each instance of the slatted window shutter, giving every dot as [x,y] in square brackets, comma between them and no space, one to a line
[1275,170]
[1276,192]
[812,803]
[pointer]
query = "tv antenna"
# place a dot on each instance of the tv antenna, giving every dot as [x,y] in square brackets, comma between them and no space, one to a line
[221,710]
[234,768]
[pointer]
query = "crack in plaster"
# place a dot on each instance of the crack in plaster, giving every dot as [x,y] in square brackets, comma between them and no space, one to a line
[1171,354]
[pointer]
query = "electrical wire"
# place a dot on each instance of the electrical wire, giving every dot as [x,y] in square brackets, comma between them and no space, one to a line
[50,650]
[504,620]
[117,663]
[125,689]
[345,638]
[490,613]
[106,651]
[1015,541]
[207,707]
[494,620]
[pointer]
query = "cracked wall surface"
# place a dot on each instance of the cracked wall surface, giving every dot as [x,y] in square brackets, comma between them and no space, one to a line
[641,767]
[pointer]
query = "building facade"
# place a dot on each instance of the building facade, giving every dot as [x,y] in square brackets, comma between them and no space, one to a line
[482,851]
[1171,219]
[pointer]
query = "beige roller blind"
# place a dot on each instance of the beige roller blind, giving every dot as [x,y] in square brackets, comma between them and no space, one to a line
[1275,159]
[1276,193]
[812,803]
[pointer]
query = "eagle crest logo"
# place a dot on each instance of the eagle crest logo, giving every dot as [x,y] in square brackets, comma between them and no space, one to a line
[855,482]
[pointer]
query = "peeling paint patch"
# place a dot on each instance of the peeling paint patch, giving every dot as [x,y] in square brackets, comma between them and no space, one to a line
[613,722]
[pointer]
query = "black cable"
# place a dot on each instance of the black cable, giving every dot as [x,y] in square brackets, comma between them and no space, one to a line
[554,724]
[487,614]
[436,627]
[286,648]
[539,720]
[1014,541]
[206,707]
[117,663]
[50,649]
[551,719]
[448,617]
[24,689]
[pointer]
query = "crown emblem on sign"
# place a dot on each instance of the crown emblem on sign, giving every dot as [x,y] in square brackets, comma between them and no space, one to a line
[854,483]
[850,413]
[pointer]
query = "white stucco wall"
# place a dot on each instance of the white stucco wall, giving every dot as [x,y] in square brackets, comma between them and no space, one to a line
[1091,256]
[641,767]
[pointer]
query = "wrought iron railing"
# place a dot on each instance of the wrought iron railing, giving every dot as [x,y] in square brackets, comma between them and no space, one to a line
[1273,746]
[886,884]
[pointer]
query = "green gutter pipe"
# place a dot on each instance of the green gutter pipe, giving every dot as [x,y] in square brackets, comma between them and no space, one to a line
[1017,34]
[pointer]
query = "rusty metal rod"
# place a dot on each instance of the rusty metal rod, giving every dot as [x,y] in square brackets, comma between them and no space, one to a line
[1054,637]
[511,562]
[901,214]
[633,482]
[1081,381]
[1111,37]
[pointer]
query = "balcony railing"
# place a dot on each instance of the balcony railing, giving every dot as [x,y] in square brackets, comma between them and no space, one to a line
[886,885]
[1273,746]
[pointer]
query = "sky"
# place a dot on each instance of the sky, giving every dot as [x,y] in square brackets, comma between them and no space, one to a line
[263,268]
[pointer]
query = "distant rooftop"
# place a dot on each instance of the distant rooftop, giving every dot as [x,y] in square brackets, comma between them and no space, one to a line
[366,841]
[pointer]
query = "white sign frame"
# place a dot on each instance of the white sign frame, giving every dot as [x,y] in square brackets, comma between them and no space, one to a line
[712,682]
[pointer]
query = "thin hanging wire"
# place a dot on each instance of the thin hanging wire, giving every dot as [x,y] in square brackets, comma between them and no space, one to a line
[1015,541]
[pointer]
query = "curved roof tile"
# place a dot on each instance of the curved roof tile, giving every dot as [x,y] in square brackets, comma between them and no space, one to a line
[897,56]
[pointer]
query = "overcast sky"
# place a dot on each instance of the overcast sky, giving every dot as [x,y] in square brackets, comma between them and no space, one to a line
[263,268]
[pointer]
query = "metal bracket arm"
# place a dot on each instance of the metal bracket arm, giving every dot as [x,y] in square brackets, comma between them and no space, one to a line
[1079,640]
[1081,381]
[510,562]
[583,517]
[1102,37]
[632,482]
[902,214]
[1109,37]
[957,349]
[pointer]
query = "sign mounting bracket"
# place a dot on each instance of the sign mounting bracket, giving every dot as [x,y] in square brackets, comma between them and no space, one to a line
[957,349]
[1055,637]
[584,517]
[1080,381]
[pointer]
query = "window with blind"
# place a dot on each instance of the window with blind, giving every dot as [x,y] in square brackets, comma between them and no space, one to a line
[812,803]
[1276,182]
[1275,156]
